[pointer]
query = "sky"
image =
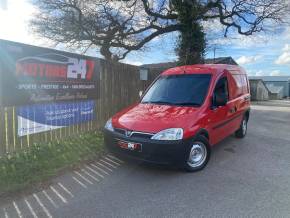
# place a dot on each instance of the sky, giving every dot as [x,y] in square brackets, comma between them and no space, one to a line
[262,54]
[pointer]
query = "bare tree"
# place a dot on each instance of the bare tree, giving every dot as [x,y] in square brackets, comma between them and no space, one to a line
[118,27]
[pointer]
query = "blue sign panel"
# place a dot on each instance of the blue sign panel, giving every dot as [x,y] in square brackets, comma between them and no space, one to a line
[44,117]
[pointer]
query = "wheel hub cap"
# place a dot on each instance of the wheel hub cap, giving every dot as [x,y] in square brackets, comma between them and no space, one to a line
[197,155]
[244,127]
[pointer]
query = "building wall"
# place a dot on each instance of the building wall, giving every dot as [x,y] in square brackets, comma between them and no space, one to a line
[284,84]
[259,91]
[275,96]
[276,81]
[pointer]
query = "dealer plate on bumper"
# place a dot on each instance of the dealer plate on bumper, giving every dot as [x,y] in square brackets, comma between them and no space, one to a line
[132,146]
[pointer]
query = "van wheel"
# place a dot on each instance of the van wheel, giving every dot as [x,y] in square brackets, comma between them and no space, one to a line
[198,154]
[242,131]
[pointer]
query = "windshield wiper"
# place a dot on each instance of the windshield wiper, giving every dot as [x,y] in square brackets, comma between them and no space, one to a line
[158,102]
[172,103]
[187,104]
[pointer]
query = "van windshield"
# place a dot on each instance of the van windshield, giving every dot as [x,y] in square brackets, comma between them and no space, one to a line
[181,90]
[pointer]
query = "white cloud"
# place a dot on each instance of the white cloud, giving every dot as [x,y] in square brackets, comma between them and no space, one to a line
[14,17]
[241,41]
[286,48]
[260,73]
[213,27]
[283,58]
[287,33]
[276,73]
[136,63]
[256,73]
[248,59]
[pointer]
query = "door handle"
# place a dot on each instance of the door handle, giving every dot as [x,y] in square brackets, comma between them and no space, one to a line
[233,109]
[247,98]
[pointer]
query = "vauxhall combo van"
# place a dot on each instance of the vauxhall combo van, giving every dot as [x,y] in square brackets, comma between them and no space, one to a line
[185,112]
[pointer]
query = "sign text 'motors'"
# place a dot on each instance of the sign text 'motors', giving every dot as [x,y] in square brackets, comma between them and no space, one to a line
[32,74]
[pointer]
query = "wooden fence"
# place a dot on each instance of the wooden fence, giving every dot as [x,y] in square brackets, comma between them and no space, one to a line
[119,87]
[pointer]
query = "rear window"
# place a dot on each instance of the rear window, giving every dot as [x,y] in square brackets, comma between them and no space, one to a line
[186,90]
[241,85]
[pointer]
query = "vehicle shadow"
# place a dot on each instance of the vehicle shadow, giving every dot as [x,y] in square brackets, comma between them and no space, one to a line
[227,146]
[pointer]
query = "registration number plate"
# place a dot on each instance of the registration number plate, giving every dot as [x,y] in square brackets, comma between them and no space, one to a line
[132,146]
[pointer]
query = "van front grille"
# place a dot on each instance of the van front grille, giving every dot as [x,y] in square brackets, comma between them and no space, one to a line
[134,133]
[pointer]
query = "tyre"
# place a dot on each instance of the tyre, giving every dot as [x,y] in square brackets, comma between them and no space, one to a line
[198,154]
[242,131]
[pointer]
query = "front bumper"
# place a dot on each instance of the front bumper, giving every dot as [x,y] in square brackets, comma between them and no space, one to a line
[153,151]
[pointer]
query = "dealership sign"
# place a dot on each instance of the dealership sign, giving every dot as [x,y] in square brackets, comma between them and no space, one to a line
[37,75]
[44,117]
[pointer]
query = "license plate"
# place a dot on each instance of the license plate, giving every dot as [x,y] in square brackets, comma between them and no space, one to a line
[132,146]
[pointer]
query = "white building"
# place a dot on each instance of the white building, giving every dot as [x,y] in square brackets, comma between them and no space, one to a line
[276,81]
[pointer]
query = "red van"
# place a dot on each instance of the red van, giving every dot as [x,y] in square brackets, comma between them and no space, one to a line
[182,115]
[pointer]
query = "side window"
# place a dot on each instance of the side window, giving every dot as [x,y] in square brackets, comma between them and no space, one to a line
[221,88]
[241,83]
[245,86]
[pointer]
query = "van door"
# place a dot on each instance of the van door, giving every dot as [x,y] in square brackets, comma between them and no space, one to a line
[221,117]
[239,97]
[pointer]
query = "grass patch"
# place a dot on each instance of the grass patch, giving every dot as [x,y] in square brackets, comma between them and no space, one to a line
[43,160]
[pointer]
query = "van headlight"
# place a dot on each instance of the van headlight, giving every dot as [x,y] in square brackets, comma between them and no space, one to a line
[109,125]
[169,134]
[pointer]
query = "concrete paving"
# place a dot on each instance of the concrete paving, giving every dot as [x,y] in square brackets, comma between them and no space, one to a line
[244,178]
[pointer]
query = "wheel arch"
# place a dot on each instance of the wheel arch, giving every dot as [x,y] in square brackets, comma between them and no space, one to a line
[247,115]
[204,133]
[205,140]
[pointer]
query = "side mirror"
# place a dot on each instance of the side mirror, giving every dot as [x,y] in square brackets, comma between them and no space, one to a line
[220,99]
[140,93]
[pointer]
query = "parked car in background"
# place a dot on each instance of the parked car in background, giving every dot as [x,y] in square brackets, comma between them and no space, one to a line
[185,112]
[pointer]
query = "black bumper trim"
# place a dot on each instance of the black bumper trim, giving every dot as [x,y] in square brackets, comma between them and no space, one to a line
[153,151]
